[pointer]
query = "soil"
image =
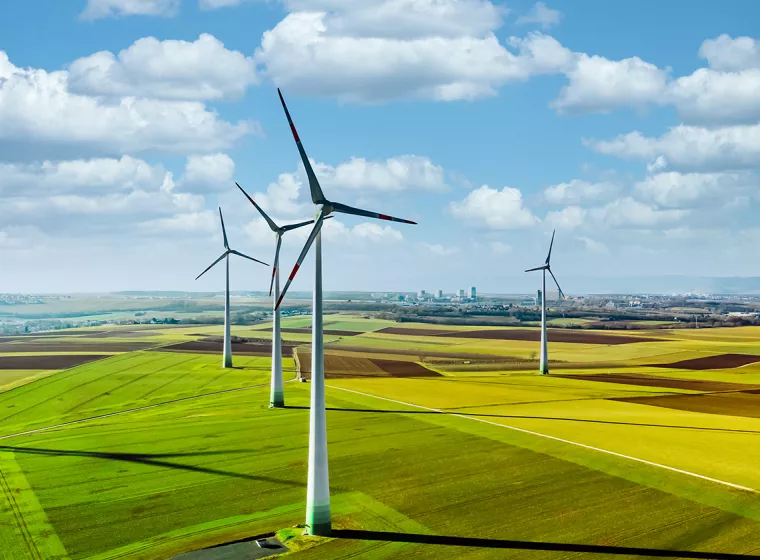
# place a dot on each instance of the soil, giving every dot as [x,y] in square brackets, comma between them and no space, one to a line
[740,403]
[41,346]
[404,369]
[665,382]
[721,361]
[248,346]
[529,335]
[333,332]
[62,361]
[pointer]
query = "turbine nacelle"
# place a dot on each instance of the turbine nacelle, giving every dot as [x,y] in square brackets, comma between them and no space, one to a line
[326,207]
[546,267]
[228,251]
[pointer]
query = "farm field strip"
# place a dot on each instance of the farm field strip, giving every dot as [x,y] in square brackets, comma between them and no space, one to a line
[561,440]
[123,382]
[137,409]
[140,480]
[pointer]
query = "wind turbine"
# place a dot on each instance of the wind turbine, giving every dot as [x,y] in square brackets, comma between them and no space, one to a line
[544,268]
[318,519]
[227,355]
[276,396]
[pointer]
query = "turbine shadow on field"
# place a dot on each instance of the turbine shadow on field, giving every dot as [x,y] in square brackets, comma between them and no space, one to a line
[153,459]
[532,545]
[520,417]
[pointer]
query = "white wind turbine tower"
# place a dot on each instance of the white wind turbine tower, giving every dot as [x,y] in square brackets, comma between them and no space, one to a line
[227,355]
[276,396]
[318,520]
[544,268]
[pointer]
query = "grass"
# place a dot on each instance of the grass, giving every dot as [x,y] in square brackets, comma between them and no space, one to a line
[186,463]
[152,479]
[126,381]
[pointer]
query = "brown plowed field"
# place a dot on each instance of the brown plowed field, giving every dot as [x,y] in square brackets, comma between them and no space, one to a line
[528,335]
[334,332]
[665,382]
[415,331]
[121,333]
[404,369]
[412,352]
[62,361]
[337,367]
[742,403]
[721,361]
[41,346]
[255,347]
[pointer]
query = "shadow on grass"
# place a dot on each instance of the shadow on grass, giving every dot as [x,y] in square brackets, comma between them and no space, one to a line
[153,459]
[532,545]
[520,417]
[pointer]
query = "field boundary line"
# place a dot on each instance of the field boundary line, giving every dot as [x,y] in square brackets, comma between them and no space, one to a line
[562,440]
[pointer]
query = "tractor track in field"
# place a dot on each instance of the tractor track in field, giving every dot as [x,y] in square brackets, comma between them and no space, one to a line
[59,395]
[137,409]
[555,438]
[172,380]
[126,384]
[18,517]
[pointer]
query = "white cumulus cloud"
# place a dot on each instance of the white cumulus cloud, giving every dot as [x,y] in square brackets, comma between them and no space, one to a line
[199,70]
[97,9]
[674,189]
[38,110]
[577,191]
[689,147]
[600,85]
[542,15]
[568,218]
[490,208]
[378,51]
[393,174]
[730,54]
[208,172]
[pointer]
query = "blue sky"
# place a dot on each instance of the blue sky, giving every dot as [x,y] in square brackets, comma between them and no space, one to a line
[630,127]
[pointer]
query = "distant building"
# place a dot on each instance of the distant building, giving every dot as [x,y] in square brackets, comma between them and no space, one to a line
[461,293]
[439,294]
[539,299]
[421,294]
[473,292]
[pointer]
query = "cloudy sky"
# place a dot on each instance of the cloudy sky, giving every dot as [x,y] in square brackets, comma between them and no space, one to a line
[632,127]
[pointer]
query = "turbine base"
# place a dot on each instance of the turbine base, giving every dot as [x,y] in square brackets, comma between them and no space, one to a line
[319,530]
[278,401]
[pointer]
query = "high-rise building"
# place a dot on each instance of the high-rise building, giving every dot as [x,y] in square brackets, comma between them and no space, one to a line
[473,293]
[421,294]
[439,294]
[538,297]
[461,293]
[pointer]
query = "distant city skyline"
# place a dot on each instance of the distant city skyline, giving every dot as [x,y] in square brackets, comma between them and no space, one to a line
[632,135]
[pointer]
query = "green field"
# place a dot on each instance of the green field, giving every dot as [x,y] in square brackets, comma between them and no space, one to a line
[148,453]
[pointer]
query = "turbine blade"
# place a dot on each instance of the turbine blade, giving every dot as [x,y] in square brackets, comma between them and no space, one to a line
[212,264]
[290,227]
[317,197]
[276,262]
[271,223]
[549,256]
[312,236]
[561,293]
[224,231]
[239,254]
[542,267]
[345,209]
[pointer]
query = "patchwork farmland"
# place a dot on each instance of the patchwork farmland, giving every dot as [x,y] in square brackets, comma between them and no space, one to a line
[134,443]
